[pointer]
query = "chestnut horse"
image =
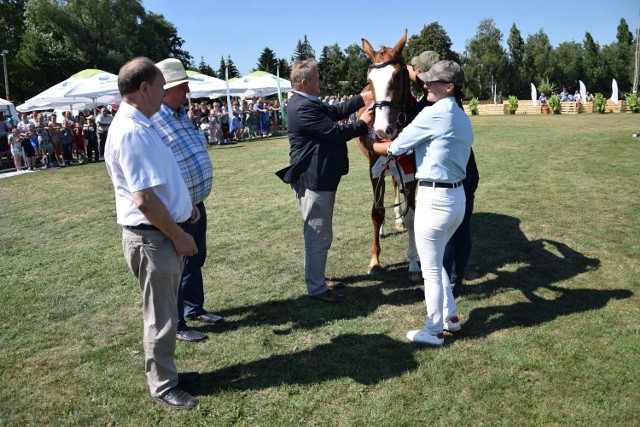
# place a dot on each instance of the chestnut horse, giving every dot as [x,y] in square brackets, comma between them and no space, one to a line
[389,81]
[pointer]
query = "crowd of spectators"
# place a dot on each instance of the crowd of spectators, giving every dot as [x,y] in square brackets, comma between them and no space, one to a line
[38,140]
[247,120]
[42,140]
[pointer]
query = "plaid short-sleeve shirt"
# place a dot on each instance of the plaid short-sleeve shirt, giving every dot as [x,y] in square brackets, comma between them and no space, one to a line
[190,148]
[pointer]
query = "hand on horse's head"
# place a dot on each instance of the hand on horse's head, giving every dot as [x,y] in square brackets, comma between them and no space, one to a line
[367,116]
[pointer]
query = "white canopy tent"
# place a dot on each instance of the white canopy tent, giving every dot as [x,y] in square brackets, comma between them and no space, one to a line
[96,86]
[57,95]
[204,86]
[259,83]
[8,108]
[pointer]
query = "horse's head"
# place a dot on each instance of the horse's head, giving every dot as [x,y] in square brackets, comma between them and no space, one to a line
[389,80]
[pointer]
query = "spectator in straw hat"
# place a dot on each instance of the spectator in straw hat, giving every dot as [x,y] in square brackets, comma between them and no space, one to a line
[190,149]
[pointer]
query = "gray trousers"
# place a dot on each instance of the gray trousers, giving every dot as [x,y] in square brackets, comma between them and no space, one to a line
[316,208]
[153,260]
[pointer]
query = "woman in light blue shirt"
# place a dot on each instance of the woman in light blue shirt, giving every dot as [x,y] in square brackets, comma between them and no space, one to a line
[441,137]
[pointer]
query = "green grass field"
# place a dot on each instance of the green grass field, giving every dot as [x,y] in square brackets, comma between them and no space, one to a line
[550,320]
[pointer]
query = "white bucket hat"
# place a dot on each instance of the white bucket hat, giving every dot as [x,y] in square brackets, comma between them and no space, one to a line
[173,72]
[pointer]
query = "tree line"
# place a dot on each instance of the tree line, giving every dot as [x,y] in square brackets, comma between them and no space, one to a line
[47,41]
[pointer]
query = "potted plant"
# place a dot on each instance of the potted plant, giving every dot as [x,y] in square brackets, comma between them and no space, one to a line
[512,104]
[473,106]
[599,103]
[545,86]
[632,102]
[554,104]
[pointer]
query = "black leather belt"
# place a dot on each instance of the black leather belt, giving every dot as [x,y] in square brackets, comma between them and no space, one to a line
[141,227]
[149,226]
[441,184]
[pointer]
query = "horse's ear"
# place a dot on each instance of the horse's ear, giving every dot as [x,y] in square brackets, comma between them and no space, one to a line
[397,49]
[366,46]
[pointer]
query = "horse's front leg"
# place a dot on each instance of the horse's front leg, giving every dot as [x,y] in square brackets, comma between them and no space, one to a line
[377,219]
[415,273]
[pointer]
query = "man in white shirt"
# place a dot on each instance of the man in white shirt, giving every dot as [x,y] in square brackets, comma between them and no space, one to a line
[103,122]
[152,203]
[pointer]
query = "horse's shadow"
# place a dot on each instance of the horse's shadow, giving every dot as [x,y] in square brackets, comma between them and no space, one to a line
[505,260]
[510,262]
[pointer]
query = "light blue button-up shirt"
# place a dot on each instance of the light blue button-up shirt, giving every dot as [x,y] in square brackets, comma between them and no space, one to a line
[441,136]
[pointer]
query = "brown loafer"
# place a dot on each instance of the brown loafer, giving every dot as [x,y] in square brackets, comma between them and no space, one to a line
[329,296]
[333,284]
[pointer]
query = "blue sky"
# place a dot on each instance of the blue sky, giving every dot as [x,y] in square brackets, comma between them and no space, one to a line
[243,28]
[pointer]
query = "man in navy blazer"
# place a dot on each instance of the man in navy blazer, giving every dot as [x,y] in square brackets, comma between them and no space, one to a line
[318,159]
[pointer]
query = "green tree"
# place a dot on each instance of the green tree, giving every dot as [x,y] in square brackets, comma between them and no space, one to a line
[43,61]
[355,76]
[12,26]
[538,57]
[285,68]
[267,61]
[516,83]
[619,57]
[431,37]
[331,67]
[485,60]
[233,71]
[567,64]
[222,67]
[303,50]
[158,39]
[100,34]
[205,68]
[595,68]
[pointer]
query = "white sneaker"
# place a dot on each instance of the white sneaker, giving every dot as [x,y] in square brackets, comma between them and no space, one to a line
[452,325]
[425,337]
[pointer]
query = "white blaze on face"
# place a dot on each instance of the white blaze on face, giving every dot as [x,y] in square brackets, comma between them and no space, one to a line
[380,79]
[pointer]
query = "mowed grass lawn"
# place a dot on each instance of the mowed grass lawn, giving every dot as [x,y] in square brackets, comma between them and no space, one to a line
[550,317]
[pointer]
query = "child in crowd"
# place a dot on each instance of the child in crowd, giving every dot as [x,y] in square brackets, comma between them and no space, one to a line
[78,141]
[28,149]
[66,138]
[16,148]
[92,139]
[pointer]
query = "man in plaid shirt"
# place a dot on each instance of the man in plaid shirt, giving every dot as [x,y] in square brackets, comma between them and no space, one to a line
[190,149]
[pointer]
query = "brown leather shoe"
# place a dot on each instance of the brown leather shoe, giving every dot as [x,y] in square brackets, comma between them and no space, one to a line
[333,284]
[177,399]
[329,296]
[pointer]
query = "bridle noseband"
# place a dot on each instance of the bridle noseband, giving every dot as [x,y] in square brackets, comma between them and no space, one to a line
[401,120]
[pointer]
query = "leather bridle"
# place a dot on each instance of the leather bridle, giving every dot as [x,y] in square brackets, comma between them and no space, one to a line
[401,119]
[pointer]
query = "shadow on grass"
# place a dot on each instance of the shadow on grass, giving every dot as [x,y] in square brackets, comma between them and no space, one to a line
[503,252]
[367,359]
[392,288]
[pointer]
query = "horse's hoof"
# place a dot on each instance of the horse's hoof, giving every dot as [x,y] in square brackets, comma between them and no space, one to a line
[415,276]
[376,270]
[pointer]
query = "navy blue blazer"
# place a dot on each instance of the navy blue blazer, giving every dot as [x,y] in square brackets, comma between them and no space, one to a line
[318,145]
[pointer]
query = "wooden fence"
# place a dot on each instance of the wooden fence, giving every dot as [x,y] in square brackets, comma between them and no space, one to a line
[526,107]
